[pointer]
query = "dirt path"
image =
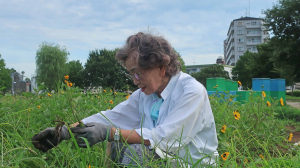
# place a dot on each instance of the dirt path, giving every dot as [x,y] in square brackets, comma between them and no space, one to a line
[293,104]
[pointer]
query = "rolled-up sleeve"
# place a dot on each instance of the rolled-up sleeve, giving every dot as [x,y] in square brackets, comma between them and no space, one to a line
[125,115]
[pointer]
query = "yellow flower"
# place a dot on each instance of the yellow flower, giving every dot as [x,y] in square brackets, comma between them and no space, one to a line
[92,98]
[66,81]
[29,110]
[291,137]
[110,90]
[108,107]
[104,90]
[38,107]
[230,99]
[237,115]
[239,83]
[208,97]
[268,103]
[216,85]
[127,96]
[115,92]
[98,97]
[223,128]
[281,102]
[105,101]
[245,161]
[263,93]
[261,156]
[67,77]
[70,84]
[62,92]
[111,102]
[49,94]
[225,156]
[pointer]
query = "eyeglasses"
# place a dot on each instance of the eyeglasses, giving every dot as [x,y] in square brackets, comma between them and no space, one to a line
[134,76]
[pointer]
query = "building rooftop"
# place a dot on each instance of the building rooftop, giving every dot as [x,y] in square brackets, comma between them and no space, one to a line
[248,18]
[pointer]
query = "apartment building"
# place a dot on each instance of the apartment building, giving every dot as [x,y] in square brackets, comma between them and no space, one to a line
[243,34]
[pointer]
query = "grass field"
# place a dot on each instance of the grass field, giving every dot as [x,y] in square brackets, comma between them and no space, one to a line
[290,98]
[250,135]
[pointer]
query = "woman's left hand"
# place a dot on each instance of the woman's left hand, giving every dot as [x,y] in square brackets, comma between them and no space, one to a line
[93,132]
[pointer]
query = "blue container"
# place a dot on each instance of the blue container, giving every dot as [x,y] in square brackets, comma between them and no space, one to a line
[257,84]
[277,85]
[232,93]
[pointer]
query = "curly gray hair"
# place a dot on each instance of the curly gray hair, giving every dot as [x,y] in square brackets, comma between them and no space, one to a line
[150,51]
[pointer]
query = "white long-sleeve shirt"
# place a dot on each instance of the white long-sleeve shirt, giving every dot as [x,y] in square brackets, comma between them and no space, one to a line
[185,114]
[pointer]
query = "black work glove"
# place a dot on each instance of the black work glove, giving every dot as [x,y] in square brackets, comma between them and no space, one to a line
[50,137]
[93,132]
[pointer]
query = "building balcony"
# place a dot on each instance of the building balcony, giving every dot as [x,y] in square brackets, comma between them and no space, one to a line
[249,26]
[230,49]
[229,57]
[230,61]
[253,43]
[230,54]
[230,46]
[253,35]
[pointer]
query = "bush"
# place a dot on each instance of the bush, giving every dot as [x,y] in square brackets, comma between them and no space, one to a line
[286,112]
[295,93]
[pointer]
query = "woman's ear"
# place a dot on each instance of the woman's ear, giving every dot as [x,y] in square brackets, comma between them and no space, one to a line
[162,71]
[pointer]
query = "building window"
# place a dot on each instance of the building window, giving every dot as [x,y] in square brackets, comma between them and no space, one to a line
[240,48]
[240,40]
[253,40]
[254,49]
[253,32]
[240,23]
[253,23]
[249,49]
[240,32]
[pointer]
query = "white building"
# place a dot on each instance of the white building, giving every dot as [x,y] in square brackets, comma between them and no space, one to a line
[197,68]
[243,34]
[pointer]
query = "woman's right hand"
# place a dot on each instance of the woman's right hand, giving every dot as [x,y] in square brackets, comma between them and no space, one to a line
[49,138]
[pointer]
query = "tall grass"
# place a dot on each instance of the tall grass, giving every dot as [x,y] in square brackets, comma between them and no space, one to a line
[257,139]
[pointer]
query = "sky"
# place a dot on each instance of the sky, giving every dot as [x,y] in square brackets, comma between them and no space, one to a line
[195,28]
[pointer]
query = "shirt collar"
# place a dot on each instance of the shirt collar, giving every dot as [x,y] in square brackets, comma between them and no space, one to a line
[170,87]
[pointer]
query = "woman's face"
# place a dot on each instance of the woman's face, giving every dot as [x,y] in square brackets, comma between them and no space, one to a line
[149,81]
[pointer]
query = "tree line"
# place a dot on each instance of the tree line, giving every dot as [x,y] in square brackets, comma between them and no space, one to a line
[100,69]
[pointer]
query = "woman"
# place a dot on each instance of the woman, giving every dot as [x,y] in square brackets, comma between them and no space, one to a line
[170,111]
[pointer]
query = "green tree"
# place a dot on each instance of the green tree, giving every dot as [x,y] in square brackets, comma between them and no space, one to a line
[261,65]
[215,70]
[74,71]
[5,79]
[51,62]
[244,69]
[102,69]
[255,65]
[283,20]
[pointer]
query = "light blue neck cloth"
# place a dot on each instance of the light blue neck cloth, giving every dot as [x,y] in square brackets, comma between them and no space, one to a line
[155,108]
